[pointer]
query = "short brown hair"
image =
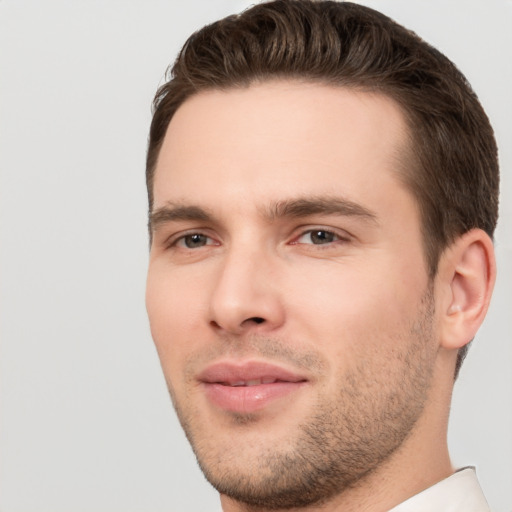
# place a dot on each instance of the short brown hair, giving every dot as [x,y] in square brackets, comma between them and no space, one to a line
[452,168]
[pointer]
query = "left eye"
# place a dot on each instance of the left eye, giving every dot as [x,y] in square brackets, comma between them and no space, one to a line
[318,237]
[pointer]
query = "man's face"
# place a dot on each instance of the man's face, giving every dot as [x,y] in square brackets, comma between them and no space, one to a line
[287,291]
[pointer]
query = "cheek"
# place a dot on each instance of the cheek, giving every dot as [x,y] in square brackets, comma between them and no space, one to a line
[350,312]
[175,311]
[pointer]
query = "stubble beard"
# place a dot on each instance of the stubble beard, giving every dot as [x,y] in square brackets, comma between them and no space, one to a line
[344,440]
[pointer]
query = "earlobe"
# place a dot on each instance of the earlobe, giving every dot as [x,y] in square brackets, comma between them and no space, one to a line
[467,271]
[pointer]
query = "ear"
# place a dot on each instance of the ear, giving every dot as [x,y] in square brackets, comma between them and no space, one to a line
[467,271]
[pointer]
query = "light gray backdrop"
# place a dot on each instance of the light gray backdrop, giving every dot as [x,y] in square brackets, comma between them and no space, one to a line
[86,424]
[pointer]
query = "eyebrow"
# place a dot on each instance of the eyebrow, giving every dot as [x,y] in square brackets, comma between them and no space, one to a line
[176,212]
[304,207]
[289,208]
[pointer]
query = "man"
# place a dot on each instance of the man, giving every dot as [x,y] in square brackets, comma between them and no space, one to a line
[323,193]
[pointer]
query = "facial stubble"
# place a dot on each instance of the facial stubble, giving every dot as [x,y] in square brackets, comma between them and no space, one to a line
[346,437]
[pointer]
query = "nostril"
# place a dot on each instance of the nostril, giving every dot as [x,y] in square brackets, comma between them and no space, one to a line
[255,319]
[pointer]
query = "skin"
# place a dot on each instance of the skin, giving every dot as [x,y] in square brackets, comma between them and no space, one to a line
[281,234]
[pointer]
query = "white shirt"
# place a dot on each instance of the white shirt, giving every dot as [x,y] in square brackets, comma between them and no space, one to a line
[459,492]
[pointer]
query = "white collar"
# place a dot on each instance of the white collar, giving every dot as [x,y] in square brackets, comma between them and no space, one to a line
[459,492]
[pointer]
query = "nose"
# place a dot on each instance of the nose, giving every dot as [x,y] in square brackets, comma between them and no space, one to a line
[246,295]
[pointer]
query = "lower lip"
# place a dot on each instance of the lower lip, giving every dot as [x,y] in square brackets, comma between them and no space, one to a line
[248,399]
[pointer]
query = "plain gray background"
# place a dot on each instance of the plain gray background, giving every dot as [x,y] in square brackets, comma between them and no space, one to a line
[85,421]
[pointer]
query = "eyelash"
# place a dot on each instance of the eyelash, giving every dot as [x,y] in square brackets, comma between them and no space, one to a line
[180,242]
[336,237]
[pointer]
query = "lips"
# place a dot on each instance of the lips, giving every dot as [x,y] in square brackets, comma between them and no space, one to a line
[248,387]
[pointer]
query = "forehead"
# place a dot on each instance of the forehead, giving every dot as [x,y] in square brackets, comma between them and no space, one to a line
[278,138]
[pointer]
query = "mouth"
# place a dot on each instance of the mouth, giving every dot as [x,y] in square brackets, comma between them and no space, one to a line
[250,386]
[253,382]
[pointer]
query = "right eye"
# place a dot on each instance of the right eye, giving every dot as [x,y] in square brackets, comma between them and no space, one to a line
[193,241]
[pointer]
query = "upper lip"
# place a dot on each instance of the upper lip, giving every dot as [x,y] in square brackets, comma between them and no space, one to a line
[233,373]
